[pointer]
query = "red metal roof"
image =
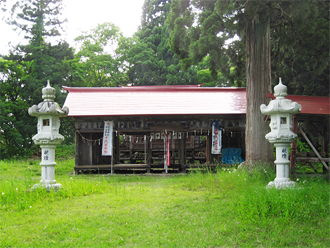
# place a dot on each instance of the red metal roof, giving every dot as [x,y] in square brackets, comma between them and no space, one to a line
[155,100]
[310,104]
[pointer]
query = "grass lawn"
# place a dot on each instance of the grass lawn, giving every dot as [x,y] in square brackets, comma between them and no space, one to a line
[230,208]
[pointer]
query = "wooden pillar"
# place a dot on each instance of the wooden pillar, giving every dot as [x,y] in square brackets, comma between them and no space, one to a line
[117,148]
[149,154]
[193,149]
[208,148]
[131,150]
[293,145]
[77,150]
[325,141]
[90,149]
[182,149]
[172,151]
[180,152]
[95,155]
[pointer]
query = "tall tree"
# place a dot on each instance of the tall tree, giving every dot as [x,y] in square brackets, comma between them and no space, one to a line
[14,134]
[201,28]
[300,46]
[35,63]
[151,60]
[37,18]
[40,20]
[258,81]
[97,62]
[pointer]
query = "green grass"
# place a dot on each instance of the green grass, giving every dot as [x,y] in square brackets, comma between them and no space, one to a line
[230,208]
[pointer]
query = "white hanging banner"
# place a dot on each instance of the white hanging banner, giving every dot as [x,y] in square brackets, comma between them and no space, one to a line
[167,160]
[167,149]
[107,138]
[216,138]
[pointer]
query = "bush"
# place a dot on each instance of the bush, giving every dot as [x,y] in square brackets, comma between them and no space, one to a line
[65,151]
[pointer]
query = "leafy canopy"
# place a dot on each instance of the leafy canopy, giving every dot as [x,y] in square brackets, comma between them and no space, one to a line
[150,59]
[25,71]
[97,62]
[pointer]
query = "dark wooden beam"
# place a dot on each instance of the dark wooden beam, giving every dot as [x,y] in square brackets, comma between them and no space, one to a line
[293,146]
[313,148]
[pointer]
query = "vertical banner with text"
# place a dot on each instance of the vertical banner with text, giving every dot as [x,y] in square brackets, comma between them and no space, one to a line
[167,150]
[216,138]
[107,138]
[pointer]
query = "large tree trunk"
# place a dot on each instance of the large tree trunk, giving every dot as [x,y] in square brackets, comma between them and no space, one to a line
[258,149]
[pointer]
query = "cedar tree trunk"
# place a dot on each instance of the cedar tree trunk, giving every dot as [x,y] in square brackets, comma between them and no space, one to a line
[258,149]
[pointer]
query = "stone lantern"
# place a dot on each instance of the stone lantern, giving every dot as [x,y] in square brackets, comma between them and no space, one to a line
[48,137]
[281,111]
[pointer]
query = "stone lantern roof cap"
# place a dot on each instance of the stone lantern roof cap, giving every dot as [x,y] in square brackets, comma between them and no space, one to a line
[48,92]
[280,90]
[280,104]
[48,106]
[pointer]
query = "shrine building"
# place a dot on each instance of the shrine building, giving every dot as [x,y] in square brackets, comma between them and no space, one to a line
[155,128]
[143,115]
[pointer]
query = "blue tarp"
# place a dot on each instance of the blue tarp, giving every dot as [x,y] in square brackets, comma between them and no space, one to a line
[232,155]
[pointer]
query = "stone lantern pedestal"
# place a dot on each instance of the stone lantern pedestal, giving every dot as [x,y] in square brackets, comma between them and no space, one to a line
[280,111]
[48,137]
[48,168]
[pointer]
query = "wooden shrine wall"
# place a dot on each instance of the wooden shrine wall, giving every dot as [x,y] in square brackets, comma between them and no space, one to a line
[135,141]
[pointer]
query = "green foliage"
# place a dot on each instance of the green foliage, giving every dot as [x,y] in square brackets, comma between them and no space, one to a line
[97,62]
[65,151]
[300,47]
[41,17]
[209,79]
[15,134]
[305,202]
[299,39]
[38,20]
[200,29]
[204,29]
[17,194]
[227,208]
[174,36]
[25,71]
[151,61]
[301,203]
[46,62]
[302,146]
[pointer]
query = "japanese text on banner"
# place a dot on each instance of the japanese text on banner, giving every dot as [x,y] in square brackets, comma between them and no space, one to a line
[216,138]
[107,138]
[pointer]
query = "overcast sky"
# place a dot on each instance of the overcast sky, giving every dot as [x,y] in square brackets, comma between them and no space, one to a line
[82,15]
